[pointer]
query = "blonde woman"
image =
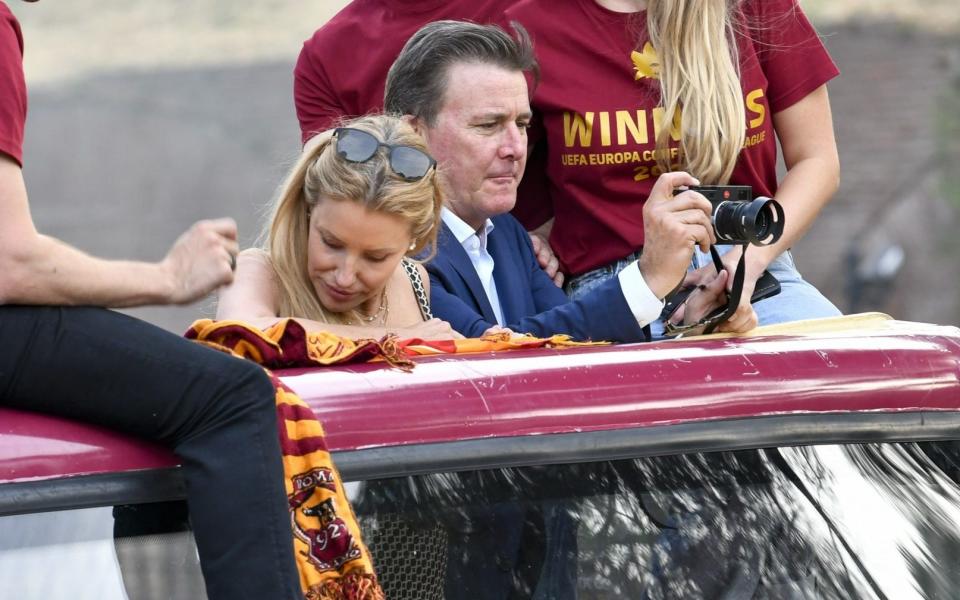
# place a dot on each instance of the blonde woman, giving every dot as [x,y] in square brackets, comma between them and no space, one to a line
[354,208]
[631,89]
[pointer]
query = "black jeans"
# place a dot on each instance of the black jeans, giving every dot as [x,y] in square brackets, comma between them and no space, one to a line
[216,412]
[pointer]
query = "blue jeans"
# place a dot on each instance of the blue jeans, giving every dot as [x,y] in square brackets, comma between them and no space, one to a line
[797,300]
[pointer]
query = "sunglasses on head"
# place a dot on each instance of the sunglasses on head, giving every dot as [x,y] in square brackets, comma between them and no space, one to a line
[357,146]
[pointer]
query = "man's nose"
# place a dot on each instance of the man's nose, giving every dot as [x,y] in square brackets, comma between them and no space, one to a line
[514,143]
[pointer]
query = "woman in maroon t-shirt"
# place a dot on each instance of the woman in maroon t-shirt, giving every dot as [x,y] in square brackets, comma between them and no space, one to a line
[615,74]
[342,68]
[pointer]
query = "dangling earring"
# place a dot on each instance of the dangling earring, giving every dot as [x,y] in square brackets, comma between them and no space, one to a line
[413,245]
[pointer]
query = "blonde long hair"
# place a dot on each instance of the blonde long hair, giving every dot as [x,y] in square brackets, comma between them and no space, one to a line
[320,173]
[700,80]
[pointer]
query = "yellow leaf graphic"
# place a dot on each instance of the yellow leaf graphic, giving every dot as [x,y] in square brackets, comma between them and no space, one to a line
[646,63]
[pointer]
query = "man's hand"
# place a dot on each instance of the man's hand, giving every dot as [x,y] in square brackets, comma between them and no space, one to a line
[745,318]
[201,260]
[545,256]
[672,227]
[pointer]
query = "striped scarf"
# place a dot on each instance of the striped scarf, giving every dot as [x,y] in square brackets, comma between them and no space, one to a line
[331,557]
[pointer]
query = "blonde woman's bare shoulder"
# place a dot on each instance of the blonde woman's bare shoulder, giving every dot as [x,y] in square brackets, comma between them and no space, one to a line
[255,255]
[254,292]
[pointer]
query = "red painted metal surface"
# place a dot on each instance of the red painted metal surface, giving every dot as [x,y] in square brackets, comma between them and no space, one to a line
[556,391]
[898,367]
[34,446]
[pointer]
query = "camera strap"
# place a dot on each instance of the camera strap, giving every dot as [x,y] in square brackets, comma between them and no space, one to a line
[733,297]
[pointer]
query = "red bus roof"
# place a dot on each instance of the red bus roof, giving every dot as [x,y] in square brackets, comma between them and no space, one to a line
[842,367]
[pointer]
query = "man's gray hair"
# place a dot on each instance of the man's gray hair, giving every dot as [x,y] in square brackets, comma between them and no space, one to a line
[417,80]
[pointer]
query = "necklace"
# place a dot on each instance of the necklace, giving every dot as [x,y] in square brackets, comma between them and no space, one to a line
[382,312]
[362,320]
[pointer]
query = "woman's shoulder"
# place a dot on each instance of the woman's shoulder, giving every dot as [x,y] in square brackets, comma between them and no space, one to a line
[763,14]
[256,263]
[257,256]
[254,290]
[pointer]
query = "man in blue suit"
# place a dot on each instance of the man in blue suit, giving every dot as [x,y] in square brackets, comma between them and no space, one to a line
[463,87]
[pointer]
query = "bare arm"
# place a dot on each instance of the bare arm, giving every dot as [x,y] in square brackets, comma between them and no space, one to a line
[254,298]
[38,269]
[805,131]
[254,294]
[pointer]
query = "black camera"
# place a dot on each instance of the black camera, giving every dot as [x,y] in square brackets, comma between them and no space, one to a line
[738,218]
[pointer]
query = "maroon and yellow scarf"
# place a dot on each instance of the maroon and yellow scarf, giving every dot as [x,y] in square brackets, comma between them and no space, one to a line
[331,557]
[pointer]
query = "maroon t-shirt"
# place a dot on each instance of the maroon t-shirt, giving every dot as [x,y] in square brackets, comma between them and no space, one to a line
[596,113]
[13,89]
[342,69]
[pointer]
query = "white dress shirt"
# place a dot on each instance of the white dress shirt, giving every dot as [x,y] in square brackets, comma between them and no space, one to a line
[475,244]
[644,305]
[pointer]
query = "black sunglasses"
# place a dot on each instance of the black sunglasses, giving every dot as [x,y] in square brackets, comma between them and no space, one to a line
[719,315]
[357,146]
[709,322]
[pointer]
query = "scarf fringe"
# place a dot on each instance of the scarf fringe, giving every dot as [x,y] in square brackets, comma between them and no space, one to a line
[352,586]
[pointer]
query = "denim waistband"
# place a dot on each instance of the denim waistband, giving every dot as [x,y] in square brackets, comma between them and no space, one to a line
[580,284]
[612,268]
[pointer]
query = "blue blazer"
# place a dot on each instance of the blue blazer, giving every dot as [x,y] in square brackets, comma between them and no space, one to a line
[530,301]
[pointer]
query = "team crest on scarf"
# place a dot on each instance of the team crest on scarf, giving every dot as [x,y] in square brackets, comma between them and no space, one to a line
[329,542]
[646,63]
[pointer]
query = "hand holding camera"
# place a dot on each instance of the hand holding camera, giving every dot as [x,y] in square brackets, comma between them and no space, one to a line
[738,217]
[672,226]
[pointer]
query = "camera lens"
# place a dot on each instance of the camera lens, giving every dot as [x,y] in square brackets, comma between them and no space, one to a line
[758,222]
[762,225]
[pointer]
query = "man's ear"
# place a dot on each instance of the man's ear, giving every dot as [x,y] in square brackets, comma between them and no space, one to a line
[415,122]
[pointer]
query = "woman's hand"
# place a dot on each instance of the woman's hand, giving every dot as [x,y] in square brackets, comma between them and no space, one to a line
[745,318]
[753,268]
[434,329]
[497,330]
[540,239]
[711,295]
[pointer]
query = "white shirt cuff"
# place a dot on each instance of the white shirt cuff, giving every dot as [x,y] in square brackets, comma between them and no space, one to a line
[644,305]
